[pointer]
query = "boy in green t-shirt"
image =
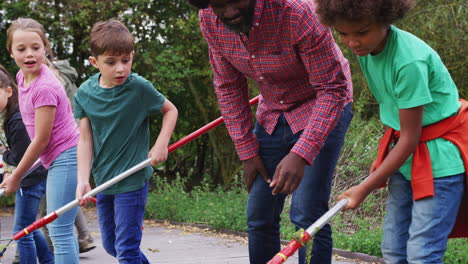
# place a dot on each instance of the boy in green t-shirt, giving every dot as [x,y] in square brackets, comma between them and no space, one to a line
[414,89]
[113,107]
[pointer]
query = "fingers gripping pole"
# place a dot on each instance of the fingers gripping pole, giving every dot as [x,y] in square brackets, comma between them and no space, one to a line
[294,244]
[52,216]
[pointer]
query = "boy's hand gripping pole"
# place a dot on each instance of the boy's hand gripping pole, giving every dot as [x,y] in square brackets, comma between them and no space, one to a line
[296,244]
[54,215]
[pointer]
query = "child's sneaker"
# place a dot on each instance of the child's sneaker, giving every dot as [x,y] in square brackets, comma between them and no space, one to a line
[86,244]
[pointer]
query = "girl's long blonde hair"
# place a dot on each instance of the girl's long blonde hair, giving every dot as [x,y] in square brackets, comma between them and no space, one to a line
[31,25]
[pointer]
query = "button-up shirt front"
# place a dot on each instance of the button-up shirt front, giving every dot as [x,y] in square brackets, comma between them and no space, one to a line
[299,69]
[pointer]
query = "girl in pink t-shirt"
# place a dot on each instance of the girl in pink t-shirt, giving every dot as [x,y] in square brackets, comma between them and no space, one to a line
[49,122]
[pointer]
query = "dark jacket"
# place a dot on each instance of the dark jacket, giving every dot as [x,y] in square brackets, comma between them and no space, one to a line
[18,141]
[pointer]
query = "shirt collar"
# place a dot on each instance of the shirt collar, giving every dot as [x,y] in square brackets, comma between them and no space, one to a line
[259,6]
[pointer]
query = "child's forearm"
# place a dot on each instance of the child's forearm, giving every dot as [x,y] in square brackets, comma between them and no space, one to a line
[84,157]
[168,124]
[84,151]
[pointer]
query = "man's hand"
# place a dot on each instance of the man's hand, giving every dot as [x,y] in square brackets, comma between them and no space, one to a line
[253,166]
[288,174]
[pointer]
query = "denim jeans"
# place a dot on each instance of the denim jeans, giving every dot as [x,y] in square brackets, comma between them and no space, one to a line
[61,189]
[417,231]
[309,200]
[120,220]
[32,247]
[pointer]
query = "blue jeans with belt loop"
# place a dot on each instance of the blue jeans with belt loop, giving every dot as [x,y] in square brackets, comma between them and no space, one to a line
[32,247]
[309,200]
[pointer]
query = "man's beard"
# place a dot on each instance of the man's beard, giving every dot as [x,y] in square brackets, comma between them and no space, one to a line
[246,24]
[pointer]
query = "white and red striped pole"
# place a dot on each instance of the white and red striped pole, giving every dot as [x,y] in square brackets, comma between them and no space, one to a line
[296,244]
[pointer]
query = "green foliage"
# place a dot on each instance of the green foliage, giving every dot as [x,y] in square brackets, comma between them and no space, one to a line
[205,204]
[7,201]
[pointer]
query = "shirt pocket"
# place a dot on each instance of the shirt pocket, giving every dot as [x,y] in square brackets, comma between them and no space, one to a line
[282,66]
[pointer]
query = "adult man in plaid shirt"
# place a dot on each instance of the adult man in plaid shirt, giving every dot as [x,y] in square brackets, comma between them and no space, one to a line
[303,113]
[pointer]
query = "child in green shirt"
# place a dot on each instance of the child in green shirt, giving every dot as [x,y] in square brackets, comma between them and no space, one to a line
[414,89]
[113,107]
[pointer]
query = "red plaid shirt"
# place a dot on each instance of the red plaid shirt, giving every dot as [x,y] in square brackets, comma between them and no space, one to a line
[299,69]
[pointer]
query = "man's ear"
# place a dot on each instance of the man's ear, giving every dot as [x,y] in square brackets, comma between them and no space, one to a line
[93,62]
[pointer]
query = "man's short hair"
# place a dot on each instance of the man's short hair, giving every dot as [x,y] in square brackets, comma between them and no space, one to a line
[200,4]
[110,37]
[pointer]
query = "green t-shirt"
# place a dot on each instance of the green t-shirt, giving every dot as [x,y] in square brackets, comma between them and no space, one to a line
[119,118]
[408,73]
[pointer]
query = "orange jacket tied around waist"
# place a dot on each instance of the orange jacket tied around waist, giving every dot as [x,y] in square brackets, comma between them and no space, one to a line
[453,129]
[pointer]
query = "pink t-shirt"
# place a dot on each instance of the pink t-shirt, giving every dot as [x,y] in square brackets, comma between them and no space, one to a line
[47,90]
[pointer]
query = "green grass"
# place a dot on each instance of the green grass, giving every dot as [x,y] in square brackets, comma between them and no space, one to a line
[203,205]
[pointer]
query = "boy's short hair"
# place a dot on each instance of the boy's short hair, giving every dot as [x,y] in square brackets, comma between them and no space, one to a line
[110,37]
[200,4]
[376,11]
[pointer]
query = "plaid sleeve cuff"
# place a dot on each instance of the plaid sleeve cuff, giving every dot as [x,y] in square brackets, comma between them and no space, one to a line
[307,149]
[247,149]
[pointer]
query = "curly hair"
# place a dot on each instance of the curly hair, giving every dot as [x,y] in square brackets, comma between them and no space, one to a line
[378,11]
[200,4]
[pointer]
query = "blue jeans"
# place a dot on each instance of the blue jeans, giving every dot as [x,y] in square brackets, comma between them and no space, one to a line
[120,220]
[417,231]
[61,189]
[31,247]
[309,200]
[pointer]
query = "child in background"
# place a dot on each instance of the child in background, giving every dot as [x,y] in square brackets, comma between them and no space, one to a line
[32,247]
[51,127]
[113,107]
[420,106]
